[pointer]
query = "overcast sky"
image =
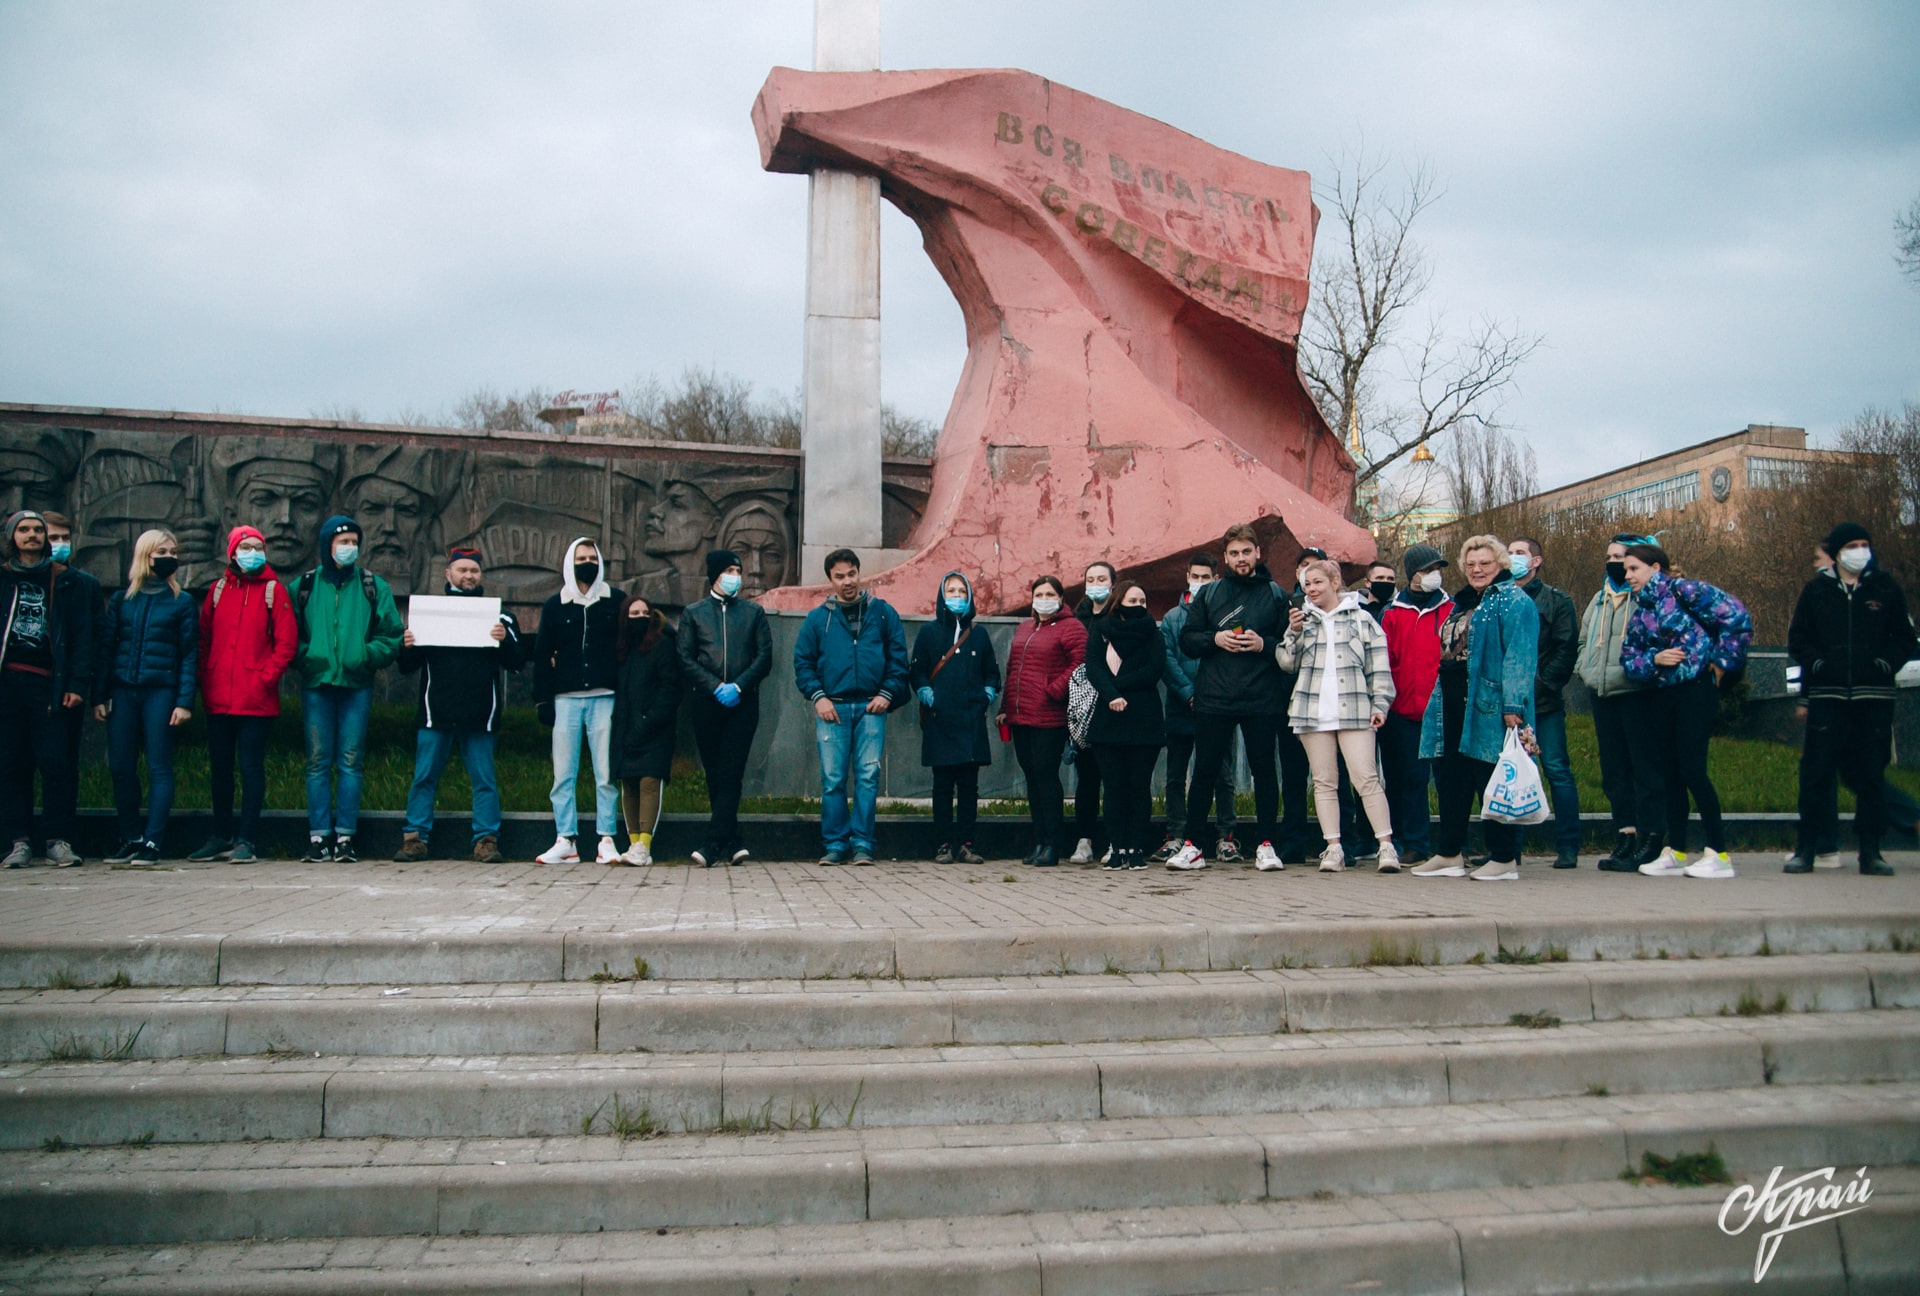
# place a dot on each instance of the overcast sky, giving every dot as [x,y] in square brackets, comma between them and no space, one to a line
[280,208]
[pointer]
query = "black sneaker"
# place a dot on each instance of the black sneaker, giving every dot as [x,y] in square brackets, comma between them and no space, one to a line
[1116,859]
[1875,865]
[343,851]
[1566,860]
[1136,860]
[1228,851]
[966,854]
[1798,864]
[944,855]
[149,853]
[739,856]
[1168,849]
[318,852]
[125,851]
[703,857]
[242,852]
[215,848]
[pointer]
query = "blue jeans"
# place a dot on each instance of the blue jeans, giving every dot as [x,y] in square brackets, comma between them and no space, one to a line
[431,749]
[860,740]
[139,721]
[1406,777]
[1556,767]
[336,721]
[593,717]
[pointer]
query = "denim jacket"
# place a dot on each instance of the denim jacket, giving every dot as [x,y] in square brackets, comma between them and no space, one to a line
[1503,656]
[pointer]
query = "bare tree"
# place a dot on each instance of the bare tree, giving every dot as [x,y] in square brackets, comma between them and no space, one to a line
[1486,470]
[1906,241]
[1368,276]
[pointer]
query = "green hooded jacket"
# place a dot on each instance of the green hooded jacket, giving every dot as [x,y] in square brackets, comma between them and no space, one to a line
[343,640]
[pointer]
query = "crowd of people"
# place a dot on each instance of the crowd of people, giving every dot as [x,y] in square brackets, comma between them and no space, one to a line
[1377,698]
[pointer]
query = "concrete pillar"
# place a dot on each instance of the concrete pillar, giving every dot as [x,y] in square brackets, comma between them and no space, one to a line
[840,422]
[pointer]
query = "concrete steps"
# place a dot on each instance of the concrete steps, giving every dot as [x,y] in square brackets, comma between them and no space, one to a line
[1307,1107]
[1590,1238]
[721,1017]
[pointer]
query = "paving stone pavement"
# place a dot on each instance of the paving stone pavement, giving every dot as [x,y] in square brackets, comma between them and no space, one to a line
[452,898]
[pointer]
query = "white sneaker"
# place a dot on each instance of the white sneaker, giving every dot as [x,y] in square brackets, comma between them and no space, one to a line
[561,852]
[1187,857]
[1441,866]
[1711,864]
[1668,865]
[1082,853]
[1497,871]
[1389,858]
[1333,859]
[740,856]
[1108,857]
[1267,860]
[638,855]
[608,852]
[1831,860]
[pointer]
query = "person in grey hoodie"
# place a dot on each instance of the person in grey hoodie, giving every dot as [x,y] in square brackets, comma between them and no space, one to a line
[1603,629]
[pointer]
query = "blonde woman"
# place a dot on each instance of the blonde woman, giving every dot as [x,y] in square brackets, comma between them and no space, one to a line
[1341,697]
[150,650]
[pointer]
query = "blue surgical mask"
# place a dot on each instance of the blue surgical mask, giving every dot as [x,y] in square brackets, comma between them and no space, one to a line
[1099,593]
[1520,565]
[958,606]
[729,583]
[250,560]
[60,551]
[347,555]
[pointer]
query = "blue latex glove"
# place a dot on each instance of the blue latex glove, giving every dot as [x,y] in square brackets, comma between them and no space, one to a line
[993,695]
[925,694]
[727,695]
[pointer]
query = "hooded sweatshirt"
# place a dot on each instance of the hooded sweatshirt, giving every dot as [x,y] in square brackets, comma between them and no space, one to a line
[955,731]
[349,626]
[574,654]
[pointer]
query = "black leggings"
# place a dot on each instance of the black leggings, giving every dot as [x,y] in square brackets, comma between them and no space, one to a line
[1459,778]
[1128,771]
[1668,740]
[1038,751]
[1212,742]
[953,783]
[229,736]
[1086,792]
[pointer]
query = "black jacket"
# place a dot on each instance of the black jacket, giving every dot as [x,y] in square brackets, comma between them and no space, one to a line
[646,707]
[1143,658]
[464,688]
[725,641]
[1850,644]
[1559,645]
[955,731]
[574,649]
[73,629]
[1248,683]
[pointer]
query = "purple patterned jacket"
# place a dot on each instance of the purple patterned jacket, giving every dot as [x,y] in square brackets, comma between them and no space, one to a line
[1709,624]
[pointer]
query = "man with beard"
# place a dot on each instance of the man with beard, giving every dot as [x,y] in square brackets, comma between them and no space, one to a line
[462,698]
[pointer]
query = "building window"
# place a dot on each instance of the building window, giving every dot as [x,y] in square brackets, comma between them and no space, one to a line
[1641,501]
[1775,474]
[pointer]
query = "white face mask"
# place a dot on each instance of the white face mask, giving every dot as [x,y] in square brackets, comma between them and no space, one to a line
[1856,560]
[1430,581]
[1195,586]
[1046,607]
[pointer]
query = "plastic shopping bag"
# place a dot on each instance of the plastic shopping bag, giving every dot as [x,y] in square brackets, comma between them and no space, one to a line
[1514,794]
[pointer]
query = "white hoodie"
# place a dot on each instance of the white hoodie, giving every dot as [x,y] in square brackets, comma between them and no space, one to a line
[570,588]
[1327,714]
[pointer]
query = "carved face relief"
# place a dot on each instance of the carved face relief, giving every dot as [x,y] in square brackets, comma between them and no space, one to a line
[759,536]
[287,501]
[393,523]
[682,521]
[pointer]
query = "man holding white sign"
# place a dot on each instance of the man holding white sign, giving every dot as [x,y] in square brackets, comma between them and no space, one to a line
[461,643]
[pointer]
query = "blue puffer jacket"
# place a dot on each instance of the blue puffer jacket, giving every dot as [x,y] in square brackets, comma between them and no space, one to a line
[829,663]
[151,639]
[1503,657]
[1709,625]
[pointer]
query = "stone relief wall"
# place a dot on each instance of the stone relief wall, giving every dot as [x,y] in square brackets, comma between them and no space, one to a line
[415,493]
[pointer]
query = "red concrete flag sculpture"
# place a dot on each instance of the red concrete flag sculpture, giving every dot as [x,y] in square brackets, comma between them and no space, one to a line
[1132,298]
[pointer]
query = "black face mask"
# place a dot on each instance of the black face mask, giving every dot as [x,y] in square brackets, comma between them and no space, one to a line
[164,566]
[1132,613]
[1617,573]
[1382,591]
[586,573]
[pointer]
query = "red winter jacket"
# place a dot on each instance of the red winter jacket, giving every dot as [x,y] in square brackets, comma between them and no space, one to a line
[1413,652]
[244,648]
[1043,655]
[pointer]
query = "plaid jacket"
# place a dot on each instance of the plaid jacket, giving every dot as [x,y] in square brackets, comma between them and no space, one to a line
[1365,681]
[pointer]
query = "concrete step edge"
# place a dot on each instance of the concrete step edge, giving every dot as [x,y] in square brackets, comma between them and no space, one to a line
[728,954]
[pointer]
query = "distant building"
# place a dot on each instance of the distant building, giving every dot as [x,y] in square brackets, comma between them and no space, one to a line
[1714,477]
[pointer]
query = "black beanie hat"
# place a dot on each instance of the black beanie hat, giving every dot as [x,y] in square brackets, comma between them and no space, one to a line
[718,561]
[1420,557]
[1842,536]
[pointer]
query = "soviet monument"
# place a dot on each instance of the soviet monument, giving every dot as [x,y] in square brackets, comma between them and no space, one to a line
[1132,298]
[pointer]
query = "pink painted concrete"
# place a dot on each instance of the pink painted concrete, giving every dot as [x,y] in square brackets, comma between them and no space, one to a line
[1132,298]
